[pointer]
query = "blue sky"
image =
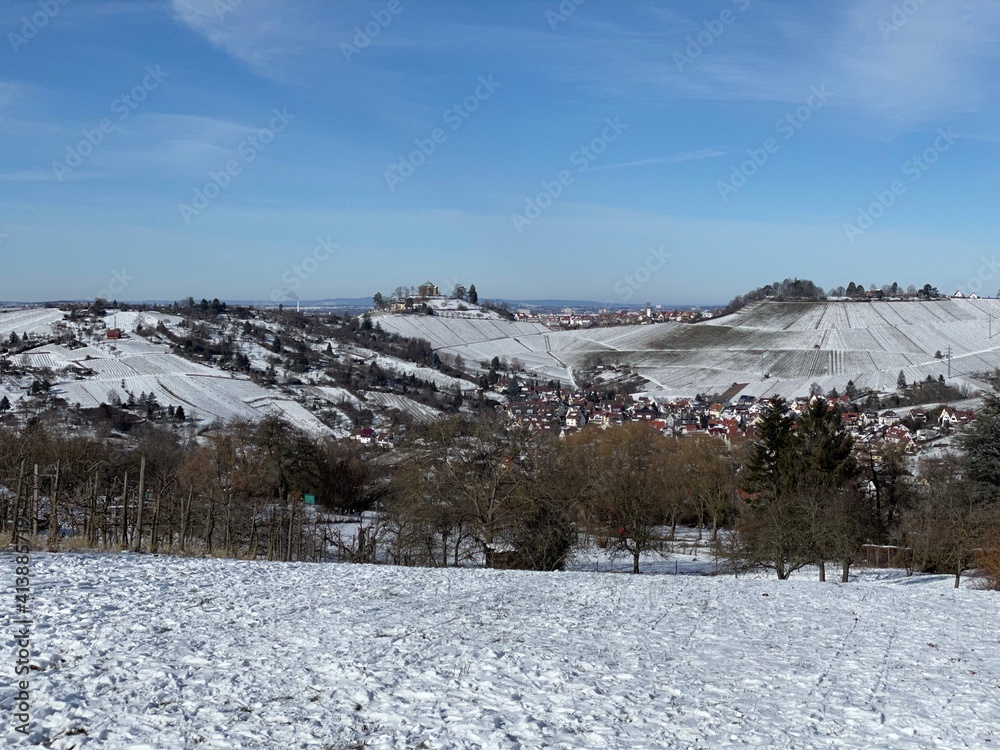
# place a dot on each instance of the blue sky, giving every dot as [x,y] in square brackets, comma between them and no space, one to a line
[622,151]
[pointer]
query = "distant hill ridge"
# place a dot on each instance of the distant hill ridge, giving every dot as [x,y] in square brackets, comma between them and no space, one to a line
[774,347]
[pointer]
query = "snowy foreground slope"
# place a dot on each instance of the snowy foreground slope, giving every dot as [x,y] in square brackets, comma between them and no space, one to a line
[152,652]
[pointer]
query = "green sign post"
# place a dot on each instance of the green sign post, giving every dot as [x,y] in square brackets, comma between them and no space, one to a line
[309,499]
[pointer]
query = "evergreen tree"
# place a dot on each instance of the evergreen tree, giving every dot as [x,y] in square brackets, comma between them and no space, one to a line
[980,444]
[770,468]
[771,529]
[851,390]
[473,295]
[824,447]
[803,507]
[901,381]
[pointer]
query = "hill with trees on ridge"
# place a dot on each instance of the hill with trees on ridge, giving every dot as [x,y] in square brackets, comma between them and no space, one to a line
[773,347]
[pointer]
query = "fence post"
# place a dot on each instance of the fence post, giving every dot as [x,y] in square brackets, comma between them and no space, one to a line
[137,532]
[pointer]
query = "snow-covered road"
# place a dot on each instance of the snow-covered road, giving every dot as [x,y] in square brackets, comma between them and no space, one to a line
[156,652]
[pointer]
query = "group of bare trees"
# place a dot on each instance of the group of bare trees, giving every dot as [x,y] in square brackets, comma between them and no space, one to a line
[475,491]
[479,492]
[236,491]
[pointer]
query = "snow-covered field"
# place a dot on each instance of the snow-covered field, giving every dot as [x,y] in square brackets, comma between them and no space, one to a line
[154,652]
[34,320]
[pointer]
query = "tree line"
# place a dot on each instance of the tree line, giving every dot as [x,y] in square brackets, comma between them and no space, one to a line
[858,291]
[235,491]
[464,491]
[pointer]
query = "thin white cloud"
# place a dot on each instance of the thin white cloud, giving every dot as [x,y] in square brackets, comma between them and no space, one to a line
[46,175]
[8,92]
[200,128]
[264,35]
[176,143]
[939,62]
[936,62]
[678,158]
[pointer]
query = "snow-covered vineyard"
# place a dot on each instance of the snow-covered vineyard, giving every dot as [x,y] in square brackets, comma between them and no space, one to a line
[794,343]
[98,369]
[152,652]
[769,349]
[132,366]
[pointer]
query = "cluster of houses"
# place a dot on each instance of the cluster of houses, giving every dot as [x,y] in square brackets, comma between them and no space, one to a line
[369,436]
[554,410]
[608,318]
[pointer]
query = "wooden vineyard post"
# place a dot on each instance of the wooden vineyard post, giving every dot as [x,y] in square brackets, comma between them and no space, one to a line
[137,533]
[52,540]
[17,502]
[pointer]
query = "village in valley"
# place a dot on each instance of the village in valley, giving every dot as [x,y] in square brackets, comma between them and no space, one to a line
[908,420]
[546,408]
